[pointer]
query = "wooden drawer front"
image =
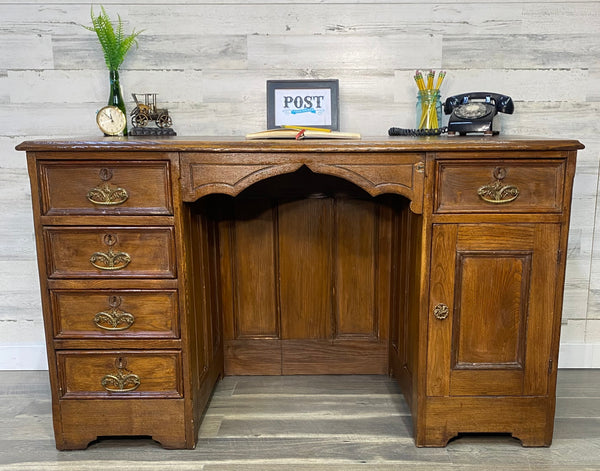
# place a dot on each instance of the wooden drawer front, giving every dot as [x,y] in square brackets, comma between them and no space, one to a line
[115,314]
[500,186]
[105,187]
[108,252]
[119,373]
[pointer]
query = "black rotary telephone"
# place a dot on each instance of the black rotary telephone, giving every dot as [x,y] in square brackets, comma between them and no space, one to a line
[474,112]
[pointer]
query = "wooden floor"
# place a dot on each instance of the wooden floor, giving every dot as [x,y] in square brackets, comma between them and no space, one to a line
[320,423]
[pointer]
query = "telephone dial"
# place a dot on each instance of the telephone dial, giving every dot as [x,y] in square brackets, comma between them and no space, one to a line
[475,112]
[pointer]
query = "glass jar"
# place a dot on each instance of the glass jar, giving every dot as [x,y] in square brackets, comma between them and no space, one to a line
[429,109]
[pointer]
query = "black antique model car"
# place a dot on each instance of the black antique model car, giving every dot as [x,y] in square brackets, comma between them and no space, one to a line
[146,111]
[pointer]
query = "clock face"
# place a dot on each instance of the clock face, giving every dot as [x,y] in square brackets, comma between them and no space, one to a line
[473,110]
[111,120]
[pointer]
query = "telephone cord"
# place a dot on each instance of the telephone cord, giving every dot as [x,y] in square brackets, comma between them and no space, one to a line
[417,132]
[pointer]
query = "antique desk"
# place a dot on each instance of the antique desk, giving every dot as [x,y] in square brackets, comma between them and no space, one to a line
[165,264]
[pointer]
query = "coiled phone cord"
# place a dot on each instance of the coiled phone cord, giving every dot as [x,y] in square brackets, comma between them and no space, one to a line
[417,132]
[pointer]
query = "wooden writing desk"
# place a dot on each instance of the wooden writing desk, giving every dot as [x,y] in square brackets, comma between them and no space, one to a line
[165,264]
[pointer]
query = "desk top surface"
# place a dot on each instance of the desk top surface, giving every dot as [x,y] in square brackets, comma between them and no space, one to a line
[239,144]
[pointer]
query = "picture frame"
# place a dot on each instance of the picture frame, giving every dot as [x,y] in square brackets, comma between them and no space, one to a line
[310,103]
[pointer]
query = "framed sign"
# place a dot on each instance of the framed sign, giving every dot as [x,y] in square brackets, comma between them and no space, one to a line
[311,103]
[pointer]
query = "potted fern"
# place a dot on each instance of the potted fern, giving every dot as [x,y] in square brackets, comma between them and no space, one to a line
[115,46]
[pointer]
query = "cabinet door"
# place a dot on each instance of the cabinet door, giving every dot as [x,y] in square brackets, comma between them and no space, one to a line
[491,309]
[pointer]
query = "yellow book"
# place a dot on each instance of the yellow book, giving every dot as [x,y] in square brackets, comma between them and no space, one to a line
[302,133]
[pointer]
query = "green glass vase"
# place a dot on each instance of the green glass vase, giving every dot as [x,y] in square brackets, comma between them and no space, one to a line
[115,97]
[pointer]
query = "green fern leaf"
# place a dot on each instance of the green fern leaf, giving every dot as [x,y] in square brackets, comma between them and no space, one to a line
[115,45]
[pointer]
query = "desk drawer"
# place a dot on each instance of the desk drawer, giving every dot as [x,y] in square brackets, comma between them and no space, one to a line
[110,252]
[500,186]
[119,374]
[117,314]
[105,188]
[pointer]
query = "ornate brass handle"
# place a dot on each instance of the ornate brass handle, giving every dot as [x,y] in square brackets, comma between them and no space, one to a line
[441,311]
[107,194]
[114,318]
[110,260]
[497,192]
[123,381]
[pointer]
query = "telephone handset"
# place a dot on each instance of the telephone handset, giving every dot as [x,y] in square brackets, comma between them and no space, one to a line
[476,112]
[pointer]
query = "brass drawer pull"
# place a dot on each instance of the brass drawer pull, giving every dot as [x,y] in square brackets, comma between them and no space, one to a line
[107,194]
[497,192]
[114,319]
[123,381]
[110,260]
[441,311]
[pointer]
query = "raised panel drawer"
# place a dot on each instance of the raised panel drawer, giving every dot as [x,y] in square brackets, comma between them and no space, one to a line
[108,252]
[535,186]
[93,374]
[115,314]
[105,188]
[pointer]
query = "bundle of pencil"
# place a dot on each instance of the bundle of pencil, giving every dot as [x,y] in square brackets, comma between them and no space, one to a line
[429,96]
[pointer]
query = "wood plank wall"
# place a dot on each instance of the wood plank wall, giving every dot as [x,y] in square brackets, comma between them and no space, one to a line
[209,61]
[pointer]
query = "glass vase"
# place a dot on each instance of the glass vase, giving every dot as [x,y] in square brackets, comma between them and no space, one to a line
[429,109]
[115,97]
